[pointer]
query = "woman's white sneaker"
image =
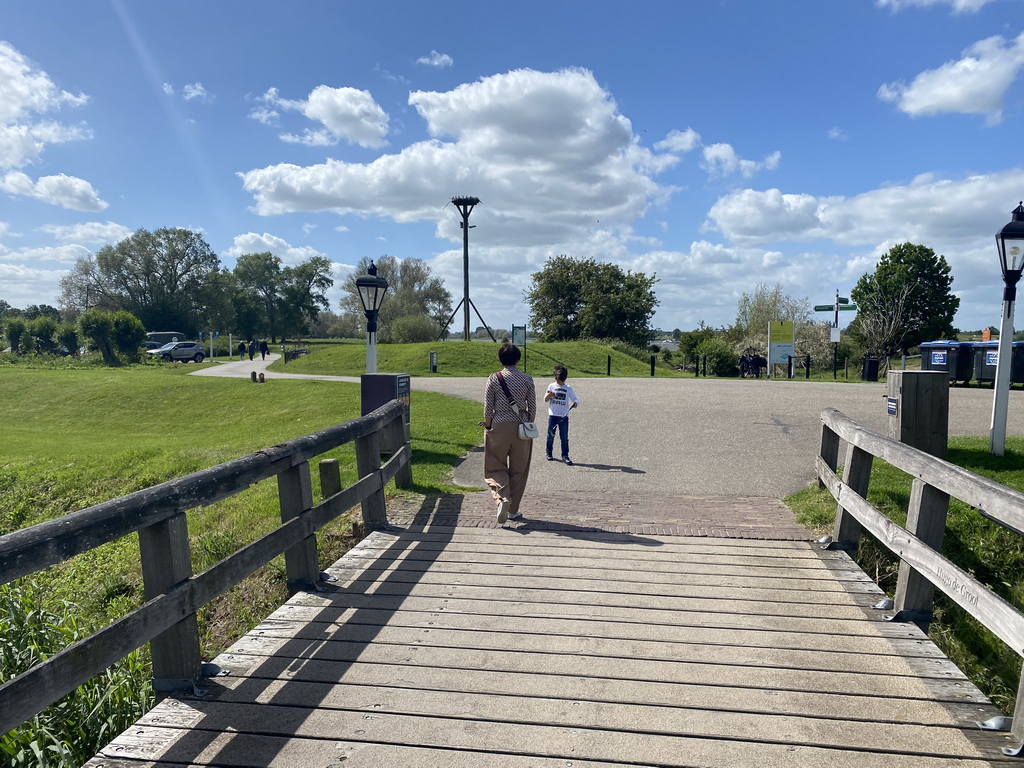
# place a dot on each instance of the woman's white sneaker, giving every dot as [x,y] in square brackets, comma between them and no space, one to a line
[503,508]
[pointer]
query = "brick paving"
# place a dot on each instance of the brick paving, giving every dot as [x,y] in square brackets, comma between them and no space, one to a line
[661,515]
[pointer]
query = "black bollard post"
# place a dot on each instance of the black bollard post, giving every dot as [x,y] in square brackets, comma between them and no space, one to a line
[807,366]
[652,365]
[704,364]
[609,365]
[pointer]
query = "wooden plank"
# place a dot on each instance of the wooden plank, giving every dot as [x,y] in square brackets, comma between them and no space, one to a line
[710,696]
[341,607]
[514,733]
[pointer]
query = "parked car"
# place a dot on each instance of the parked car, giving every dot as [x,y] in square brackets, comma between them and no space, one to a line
[153,345]
[180,350]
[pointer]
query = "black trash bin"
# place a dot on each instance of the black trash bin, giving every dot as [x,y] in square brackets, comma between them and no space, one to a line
[954,357]
[869,371]
[986,357]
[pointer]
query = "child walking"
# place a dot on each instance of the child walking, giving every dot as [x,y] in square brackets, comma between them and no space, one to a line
[561,399]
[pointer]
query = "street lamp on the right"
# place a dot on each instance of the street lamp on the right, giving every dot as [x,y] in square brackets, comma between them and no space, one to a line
[1010,241]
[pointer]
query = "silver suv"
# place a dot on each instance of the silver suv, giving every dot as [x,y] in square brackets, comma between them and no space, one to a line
[180,350]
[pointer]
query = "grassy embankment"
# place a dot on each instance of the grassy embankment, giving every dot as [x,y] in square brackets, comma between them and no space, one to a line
[75,437]
[992,554]
[473,358]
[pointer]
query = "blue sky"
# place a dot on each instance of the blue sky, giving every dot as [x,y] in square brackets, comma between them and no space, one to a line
[716,144]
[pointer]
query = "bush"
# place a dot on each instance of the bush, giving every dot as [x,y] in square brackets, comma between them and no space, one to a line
[721,359]
[72,730]
[414,329]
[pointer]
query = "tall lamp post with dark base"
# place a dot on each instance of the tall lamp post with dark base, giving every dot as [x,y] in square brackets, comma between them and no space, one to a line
[371,289]
[1010,241]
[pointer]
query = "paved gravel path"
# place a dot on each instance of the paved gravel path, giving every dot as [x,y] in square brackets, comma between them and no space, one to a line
[697,437]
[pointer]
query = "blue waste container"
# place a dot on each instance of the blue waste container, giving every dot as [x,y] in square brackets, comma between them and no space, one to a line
[986,357]
[954,357]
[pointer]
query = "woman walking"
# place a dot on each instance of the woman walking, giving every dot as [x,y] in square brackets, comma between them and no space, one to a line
[506,455]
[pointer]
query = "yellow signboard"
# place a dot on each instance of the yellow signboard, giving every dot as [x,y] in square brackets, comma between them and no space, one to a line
[781,340]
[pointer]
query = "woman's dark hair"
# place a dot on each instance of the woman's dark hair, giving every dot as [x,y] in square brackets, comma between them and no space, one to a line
[508,354]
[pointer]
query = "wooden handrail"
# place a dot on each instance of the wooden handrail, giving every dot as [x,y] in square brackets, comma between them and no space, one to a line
[167,618]
[922,567]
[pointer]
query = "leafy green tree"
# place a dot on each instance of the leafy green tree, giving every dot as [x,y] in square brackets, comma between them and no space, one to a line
[574,299]
[412,292]
[67,337]
[905,301]
[97,326]
[157,276]
[304,294]
[721,358]
[44,330]
[413,329]
[771,303]
[15,329]
[127,334]
[279,301]
[33,311]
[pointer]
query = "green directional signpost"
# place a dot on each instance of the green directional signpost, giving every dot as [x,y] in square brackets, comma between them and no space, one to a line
[841,304]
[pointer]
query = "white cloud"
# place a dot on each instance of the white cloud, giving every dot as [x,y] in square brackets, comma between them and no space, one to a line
[168,89]
[24,286]
[26,93]
[958,6]
[837,134]
[65,191]
[195,91]
[94,232]
[265,115]
[62,254]
[344,113]
[289,254]
[974,84]
[435,59]
[722,160]
[679,141]
[547,153]
[924,209]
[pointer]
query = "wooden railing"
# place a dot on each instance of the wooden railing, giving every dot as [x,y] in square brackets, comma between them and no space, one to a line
[922,568]
[167,620]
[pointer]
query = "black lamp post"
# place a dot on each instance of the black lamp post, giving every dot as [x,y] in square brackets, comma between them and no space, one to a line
[1010,242]
[371,289]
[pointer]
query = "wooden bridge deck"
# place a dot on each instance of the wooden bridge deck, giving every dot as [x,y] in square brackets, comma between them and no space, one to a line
[450,642]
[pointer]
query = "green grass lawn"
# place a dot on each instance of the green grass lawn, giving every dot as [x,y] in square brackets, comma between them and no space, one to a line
[73,438]
[992,554]
[472,358]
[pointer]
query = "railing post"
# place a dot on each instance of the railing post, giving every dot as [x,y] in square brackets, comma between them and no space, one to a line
[829,449]
[398,436]
[295,494]
[857,475]
[167,562]
[368,462]
[926,519]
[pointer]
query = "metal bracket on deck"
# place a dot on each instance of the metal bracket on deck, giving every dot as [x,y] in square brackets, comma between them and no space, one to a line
[885,604]
[1013,751]
[909,616]
[206,670]
[999,723]
[826,542]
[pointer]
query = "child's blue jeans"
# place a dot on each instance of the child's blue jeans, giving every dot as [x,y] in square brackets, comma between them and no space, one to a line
[560,423]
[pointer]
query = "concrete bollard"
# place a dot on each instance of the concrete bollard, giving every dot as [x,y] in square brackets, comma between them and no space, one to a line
[252,375]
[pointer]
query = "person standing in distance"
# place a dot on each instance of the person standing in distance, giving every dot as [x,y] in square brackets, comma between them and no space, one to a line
[506,455]
[561,398]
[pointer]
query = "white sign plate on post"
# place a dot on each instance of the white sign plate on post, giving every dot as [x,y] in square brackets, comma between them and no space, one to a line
[835,335]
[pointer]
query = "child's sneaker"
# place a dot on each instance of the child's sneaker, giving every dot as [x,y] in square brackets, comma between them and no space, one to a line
[567,460]
[551,458]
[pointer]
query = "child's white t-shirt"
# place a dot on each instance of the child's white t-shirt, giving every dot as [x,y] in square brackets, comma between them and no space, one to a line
[562,396]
